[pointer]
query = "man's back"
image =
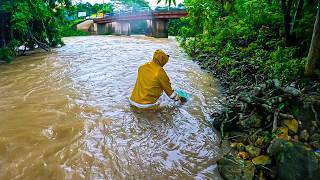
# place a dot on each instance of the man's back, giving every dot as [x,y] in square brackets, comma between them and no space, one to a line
[148,88]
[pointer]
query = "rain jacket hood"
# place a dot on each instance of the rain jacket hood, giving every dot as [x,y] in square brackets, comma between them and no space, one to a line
[160,57]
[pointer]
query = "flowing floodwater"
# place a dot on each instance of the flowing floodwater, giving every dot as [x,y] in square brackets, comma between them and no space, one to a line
[65,115]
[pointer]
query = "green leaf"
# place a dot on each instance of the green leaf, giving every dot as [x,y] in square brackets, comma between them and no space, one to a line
[281,106]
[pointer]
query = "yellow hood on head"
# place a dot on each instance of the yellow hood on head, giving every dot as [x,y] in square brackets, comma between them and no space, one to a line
[160,57]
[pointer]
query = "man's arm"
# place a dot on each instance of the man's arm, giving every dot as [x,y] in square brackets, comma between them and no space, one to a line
[166,85]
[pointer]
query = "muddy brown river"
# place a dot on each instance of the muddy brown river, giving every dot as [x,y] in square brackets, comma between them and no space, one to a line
[65,115]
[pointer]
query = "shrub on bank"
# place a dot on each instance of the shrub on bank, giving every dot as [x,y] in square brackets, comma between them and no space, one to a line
[247,33]
[69,28]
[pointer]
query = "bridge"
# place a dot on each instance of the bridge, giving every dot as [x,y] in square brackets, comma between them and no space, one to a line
[119,23]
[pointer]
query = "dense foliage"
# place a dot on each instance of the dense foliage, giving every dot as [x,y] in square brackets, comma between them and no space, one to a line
[113,5]
[69,28]
[92,9]
[42,23]
[250,45]
[118,5]
[134,3]
[30,23]
[231,35]
[69,22]
[175,25]
[169,2]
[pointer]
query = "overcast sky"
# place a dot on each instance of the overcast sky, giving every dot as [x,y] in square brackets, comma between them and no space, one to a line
[152,3]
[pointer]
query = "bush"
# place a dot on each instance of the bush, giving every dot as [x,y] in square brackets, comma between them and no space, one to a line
[257,13]
[6,54]
[73,32]
[69,28]
[246,39]
[284,65]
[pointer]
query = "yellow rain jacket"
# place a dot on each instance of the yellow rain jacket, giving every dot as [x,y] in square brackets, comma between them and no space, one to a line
[152,80]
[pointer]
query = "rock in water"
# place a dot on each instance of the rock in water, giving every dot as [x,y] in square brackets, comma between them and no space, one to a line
[233,168]
[294,161]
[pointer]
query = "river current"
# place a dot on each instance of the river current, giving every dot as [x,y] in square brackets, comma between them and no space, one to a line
[65,114]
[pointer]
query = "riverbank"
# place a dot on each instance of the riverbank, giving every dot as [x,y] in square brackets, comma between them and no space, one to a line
[259,50]
[271,125]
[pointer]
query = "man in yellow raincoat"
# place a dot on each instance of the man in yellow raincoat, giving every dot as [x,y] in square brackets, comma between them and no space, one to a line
[152,80]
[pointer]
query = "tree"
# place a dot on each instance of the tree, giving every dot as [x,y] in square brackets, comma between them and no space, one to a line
[135,4]
[313,60]
[169,2]
[85,7]
[31,23]
[4,24]
[293,12]
[286,10]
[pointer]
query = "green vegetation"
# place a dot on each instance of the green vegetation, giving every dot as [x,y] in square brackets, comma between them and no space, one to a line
[133,3]
[69,23]
[30,24]
[250,33]
[113,5]
[168,2]
[92,9]
[175,25]
[42,23]
[69,28]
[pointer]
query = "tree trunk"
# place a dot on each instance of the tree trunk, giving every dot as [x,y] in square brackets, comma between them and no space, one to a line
[297,16]
[286,9]
[313,60]
[2,36]
[4,28]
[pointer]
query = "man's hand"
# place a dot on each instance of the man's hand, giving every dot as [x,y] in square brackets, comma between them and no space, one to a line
[182,100]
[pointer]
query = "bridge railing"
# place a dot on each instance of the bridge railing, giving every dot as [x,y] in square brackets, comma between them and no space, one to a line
[140,11]
[129,12]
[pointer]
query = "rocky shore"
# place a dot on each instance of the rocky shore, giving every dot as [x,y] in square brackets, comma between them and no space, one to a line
[273,128]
